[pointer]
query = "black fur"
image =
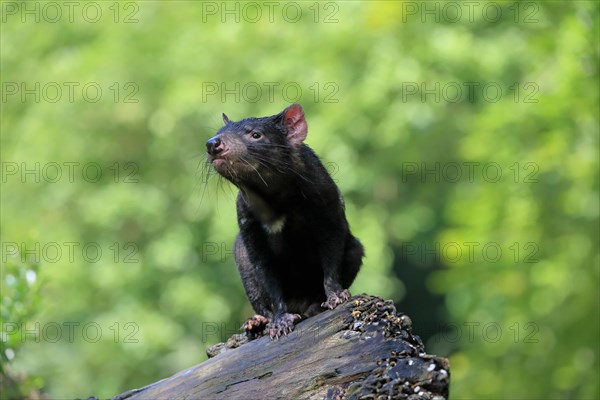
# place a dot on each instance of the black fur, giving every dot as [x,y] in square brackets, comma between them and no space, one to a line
[295,252]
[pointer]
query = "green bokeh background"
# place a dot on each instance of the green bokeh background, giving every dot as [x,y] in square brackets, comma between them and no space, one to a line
[436,180]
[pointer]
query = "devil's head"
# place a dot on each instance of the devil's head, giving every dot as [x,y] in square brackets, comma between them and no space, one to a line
[253,151]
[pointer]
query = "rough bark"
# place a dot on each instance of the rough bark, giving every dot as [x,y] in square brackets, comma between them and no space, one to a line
[361,350]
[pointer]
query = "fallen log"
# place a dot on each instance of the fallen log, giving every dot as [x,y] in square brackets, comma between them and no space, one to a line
[361,350]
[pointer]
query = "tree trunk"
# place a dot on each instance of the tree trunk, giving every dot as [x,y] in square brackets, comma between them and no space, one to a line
[360,350]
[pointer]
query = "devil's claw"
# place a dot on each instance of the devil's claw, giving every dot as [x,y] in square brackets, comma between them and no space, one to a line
[255,324]
[283,324]
[335,299]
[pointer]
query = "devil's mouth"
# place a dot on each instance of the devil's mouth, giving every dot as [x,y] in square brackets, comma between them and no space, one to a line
[217,159]
[220,162]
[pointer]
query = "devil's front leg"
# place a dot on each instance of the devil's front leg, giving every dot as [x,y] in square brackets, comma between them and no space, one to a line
[264,291]
[331,250]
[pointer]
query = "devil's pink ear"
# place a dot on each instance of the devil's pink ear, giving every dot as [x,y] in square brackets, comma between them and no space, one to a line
[293,119]
[226,119]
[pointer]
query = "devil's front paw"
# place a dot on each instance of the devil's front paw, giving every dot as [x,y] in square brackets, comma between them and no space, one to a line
[255,325]
[335,299]
[283,324]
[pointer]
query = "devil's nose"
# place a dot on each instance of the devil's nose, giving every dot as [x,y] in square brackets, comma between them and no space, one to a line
[213,146]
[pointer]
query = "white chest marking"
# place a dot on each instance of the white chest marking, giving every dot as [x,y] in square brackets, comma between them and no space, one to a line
[275,226]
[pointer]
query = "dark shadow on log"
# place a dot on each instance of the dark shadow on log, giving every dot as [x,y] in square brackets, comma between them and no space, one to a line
[360,350]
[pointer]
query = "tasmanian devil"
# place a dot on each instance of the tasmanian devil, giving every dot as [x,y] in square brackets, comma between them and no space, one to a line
[295,252]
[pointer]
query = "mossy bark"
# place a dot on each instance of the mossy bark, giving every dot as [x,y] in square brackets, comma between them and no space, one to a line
[361,350]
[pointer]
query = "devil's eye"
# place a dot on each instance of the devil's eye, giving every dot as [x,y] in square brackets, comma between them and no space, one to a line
[256,135]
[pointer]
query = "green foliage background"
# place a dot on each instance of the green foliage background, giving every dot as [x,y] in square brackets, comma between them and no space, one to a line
[522,324]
